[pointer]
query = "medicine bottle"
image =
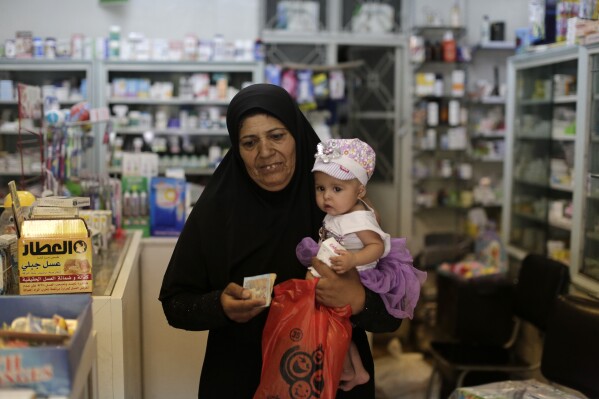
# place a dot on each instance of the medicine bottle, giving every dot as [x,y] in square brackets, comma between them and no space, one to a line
[449,47]
[485,30]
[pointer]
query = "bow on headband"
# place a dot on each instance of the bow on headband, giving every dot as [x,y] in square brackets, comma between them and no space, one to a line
[327,152]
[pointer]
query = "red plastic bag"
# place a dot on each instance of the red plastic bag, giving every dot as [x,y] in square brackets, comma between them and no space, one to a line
[303,344]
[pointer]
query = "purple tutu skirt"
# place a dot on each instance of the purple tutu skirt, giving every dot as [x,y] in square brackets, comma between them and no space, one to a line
[394,278]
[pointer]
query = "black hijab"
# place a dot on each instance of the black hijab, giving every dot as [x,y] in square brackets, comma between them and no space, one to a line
[238,229]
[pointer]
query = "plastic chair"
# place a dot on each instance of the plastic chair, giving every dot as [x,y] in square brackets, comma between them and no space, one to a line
[570,351]
[540,281]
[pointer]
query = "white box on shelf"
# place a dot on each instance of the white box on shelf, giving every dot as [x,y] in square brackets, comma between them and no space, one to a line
[298,16]
[373,18]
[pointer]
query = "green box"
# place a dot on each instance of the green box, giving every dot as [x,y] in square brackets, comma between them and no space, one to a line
[136,211]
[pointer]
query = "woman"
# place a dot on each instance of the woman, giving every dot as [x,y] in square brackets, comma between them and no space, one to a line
[257,206]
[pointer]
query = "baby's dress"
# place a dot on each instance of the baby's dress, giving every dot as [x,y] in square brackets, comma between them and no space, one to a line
[343,229]
[392,276]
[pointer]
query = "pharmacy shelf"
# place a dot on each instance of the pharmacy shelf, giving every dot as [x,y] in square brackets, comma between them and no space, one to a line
[238,75]
[189,171]
[166,101]
[496,45]
[570,99]
[535,101]
[561,187]
[15,172]
[136,131]
[499,134]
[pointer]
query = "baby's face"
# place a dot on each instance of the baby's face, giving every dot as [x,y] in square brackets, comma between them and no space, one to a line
[335,196]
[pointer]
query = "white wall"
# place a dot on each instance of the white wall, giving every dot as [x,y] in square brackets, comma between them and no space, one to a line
[171,19]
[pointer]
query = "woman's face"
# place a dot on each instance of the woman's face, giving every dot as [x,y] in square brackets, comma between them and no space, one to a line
[267,149]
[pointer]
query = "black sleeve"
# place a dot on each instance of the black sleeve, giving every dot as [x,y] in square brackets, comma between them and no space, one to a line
[195,312]
[189,300]
[374,317]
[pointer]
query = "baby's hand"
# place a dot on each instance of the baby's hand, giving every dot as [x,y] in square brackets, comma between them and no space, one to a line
[344,262]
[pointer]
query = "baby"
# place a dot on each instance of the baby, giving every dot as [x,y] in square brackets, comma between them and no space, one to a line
[341,172]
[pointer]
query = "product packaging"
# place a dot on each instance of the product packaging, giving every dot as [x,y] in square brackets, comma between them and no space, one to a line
[305,88]
[289,82]
[100,224]
[458,83]
[167,206]
[54,257]
[50,369]
[298,16]
[449,47]
[336,85]
[135,204]
[24,44]
[425,83]
[527,389]
[432,113]
[485,30]
[8,264]
[272,73]
[373,17]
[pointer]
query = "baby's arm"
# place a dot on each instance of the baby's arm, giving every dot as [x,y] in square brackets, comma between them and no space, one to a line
[372,251]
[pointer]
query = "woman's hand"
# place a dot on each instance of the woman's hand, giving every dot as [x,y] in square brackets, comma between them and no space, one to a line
[338,290]
[238,303]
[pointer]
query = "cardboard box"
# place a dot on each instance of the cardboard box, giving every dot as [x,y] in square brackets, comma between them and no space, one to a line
[54,257]
[68,202]
[50,370]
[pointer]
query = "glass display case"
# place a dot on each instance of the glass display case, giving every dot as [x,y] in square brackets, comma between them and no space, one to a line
[541,131]
[585,259]
[589,264]
[551,201]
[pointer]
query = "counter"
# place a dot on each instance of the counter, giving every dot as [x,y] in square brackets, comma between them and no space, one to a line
[172,358]
[111,362]
[117,318]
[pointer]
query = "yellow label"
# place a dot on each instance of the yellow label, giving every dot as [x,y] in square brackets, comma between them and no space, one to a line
[54,265]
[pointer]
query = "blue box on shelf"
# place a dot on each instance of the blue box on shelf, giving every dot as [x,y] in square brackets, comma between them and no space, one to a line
[167,206]
[49,370]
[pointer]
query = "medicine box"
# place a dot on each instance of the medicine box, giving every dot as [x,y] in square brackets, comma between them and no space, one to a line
[49,370]
[136,214]
[54,257]
[167,206]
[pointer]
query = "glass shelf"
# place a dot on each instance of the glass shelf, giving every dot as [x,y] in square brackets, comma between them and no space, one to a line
[531,217]
[535,101]
[172,131]
[107,265]
[458,31]
[166,101]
